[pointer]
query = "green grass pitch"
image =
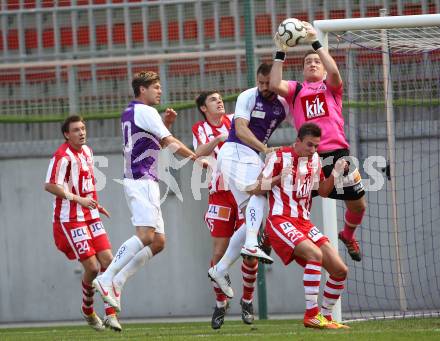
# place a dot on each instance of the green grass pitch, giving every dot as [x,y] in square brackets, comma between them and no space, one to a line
[386,330]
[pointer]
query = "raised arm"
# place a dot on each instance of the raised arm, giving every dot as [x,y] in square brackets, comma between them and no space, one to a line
[333,76]
[277,84]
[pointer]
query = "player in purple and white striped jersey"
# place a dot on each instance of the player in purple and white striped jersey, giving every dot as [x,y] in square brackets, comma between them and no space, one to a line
[258,113]
[144,134]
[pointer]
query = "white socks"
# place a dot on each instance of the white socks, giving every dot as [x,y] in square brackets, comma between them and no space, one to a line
[233,251]
[133,266]
[254,217]
[125,253]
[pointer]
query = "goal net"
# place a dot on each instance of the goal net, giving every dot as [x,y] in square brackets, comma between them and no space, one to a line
[391,76]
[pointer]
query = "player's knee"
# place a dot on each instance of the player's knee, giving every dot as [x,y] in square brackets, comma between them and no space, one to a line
[146,238]
[157,245]
[105,258]
[314,254]
[340,272]
[92,270]
[359,206]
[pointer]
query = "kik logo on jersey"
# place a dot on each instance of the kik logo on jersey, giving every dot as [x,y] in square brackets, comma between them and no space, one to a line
[314,106]
[87,185]
[304,187]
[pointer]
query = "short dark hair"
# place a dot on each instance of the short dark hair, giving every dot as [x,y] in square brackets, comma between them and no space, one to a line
[264,69]
[66,124]
[309,129]
[201,99]
[308,52]
[145,79]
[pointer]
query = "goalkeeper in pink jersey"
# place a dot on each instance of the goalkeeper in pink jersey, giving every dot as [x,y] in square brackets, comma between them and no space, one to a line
[318,99]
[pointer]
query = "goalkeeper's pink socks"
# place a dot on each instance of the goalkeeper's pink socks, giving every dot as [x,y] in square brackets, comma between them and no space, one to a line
[352,220]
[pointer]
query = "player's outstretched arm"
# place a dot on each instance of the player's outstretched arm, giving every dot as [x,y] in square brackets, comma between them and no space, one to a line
[277,84]
[333,76]
[178,147]
[206,149]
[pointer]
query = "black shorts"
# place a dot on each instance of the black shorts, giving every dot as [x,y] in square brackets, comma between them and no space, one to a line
[352,189]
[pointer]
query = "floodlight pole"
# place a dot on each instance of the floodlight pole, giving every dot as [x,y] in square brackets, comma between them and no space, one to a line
[329,213]
[391,136]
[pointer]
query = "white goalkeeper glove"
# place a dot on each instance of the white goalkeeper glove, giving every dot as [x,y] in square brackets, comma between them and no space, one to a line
[311,33]
[280,46]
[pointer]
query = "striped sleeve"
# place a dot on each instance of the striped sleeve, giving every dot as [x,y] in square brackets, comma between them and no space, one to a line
[199,135]
[56,172]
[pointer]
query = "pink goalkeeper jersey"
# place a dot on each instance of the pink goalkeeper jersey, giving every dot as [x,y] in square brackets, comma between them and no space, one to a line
[318,103]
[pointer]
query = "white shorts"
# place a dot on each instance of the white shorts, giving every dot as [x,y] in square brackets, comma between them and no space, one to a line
[143,199]
[240,167]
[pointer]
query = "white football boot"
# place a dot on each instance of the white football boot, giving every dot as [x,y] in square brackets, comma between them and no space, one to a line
[93,321]
[223,281]
[106,291]
[111,321]
[255,251]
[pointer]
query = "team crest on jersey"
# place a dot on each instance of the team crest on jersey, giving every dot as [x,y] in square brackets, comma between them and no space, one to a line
[277,110]
[218,212]
[79,234]
[259,106]
[314,106]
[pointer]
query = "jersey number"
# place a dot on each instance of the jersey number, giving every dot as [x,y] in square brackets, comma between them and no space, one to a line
[82,247]
[126,132]
[210,223]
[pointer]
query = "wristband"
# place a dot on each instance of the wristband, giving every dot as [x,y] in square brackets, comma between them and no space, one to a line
[316,45]
[280,56]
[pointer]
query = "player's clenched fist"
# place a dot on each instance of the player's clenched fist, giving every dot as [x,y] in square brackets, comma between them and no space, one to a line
[339,168]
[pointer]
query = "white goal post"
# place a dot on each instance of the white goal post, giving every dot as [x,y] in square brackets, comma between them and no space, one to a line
[402,43]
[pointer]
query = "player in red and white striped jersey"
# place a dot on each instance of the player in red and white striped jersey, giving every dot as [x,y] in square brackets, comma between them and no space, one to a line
[77,227]
[289,176]
[223,217]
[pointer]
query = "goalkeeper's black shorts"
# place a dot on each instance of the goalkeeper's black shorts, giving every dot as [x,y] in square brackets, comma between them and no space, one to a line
[352,187]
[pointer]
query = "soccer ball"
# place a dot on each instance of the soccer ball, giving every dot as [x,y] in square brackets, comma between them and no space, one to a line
[291,31]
